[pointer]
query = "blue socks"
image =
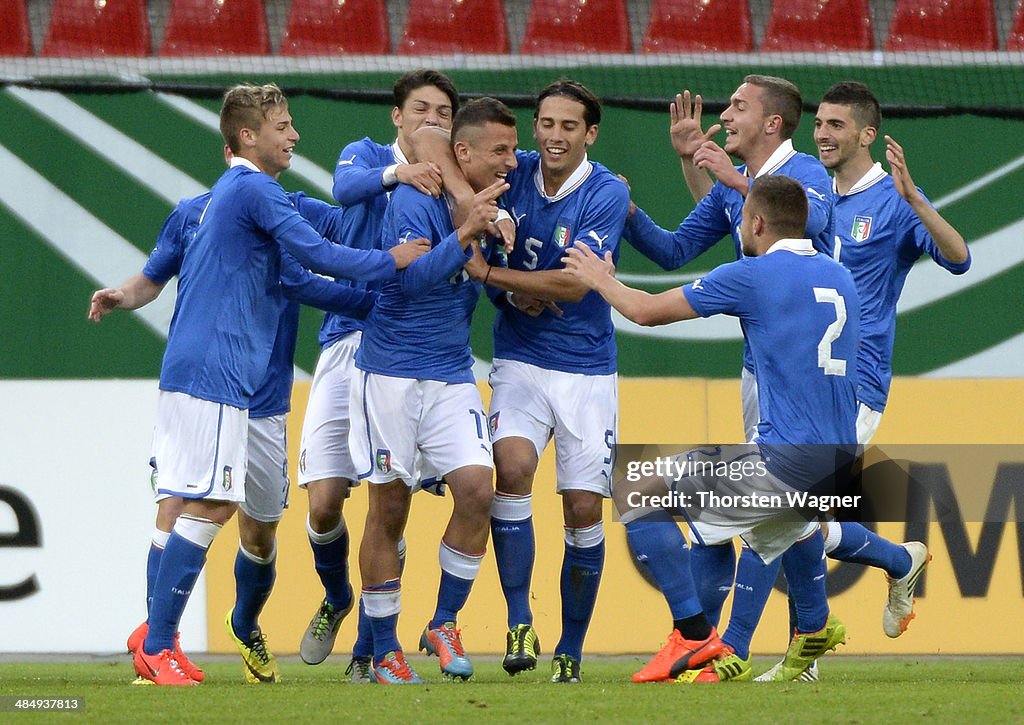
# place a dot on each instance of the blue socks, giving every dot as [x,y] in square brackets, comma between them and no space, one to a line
[156,551]
[515,550]
[363,646]
[754,581]
[458,572]
[863,546]
[658,544]
[804,564]
[254,580]
[383,604]
[180,564]
[330,557]
[581,576]
[714,570]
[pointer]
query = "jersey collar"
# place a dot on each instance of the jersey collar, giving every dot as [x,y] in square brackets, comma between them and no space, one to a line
[872,177]
[779,156]
[796,246]
[396,151]
[239,161]
[576,178]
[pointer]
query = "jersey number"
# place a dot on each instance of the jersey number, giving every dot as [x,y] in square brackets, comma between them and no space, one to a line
[826,362]
[532,245]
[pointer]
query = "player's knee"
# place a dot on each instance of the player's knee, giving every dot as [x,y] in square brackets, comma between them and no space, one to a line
[515,475]
[475,501]
[581,508]
[323,516]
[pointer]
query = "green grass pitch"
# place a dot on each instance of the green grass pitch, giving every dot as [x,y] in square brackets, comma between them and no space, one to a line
[854,690]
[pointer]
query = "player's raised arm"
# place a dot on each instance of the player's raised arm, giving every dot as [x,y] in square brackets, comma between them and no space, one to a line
[949,241]
[639,306]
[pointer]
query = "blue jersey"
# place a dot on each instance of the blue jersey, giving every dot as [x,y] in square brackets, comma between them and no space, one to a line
[721,211]
[419,327]
[359,187]
[878,238]
[801,316]
[590,208]
[230,296]
[274,395]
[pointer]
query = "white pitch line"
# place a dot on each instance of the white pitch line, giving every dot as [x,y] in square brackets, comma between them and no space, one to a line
[979,183]
[164,179]
[91,246]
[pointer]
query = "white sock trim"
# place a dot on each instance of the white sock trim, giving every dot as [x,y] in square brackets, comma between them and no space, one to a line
[401,548]
[200,532]
[257,560]
[160,538]
[835,536]
[512,508]
[326,537]
[382,604]
[586,537]
[457,563]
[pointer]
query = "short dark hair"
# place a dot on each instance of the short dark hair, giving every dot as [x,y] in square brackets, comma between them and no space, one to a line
[425,77]
[862,102]
[246,106]
[779,97]
[576,91]
[782,202]
[480,111]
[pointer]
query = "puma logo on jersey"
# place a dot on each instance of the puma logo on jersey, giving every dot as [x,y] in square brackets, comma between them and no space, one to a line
[518,217]
[698,283]
[816,193]
[346,162]
[599,239]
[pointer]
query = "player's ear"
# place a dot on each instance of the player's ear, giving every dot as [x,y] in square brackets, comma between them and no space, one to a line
[591,136]
[773,124]
[396,116]
[868,134]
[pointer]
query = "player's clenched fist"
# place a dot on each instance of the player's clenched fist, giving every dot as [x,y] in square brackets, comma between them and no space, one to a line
[407,253]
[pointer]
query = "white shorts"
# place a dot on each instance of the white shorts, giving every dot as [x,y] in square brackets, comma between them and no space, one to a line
[410,430]
[323,448]
[751,411]
[581,411]
[266,478]
[201,448]
[868,421]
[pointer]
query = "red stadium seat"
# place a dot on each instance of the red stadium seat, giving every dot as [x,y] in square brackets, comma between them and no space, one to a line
[216,27]
[698,26]
[332,27]
[577,26]
[819,26]
[454,26]
[1015,40]
[14,35]
[943,25]
[87,28]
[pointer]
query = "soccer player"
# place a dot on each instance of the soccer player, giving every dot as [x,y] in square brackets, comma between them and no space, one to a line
[762,115]
[884,224]
[416,411]
[800,312]
[554,370]
[227,316]
[365,176]
[267,474]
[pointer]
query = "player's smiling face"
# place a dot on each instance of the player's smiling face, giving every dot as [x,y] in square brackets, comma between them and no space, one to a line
[275,141]
[837,136]
[744,121]
[425,106]
[487,153]
[562,136]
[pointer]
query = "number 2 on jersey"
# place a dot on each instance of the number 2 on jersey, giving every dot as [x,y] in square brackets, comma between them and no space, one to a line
[831,365]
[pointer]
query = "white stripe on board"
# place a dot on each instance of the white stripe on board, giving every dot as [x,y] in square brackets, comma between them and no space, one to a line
[77,235]
[302,167]
[979,183]
[165,180]
[1005,360]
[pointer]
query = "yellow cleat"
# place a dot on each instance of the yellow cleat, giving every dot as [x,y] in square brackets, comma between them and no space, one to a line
[260,664]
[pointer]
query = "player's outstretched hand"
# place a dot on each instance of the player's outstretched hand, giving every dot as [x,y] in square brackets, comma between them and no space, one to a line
[684,127]
[505,230]
[533,306]
[425,176]
[104,301]
[587,267]
[901,178]
[407,253]
[483,213]
[477,267]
